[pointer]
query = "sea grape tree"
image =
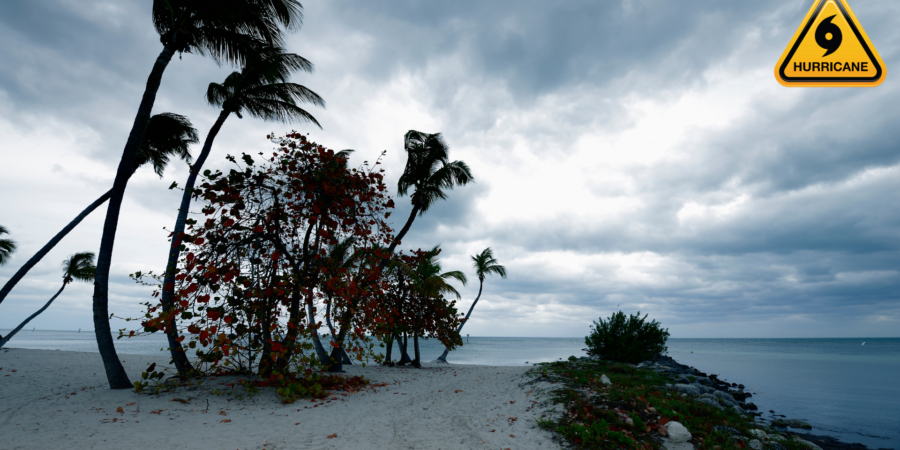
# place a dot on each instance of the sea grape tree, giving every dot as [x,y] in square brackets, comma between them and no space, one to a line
[256,267]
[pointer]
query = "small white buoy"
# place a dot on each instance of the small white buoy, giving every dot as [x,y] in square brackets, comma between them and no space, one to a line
[863,343]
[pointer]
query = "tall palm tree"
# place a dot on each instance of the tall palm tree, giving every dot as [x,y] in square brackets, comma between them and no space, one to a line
[226,30]
[261,90]
[7,247]
[429,172]
[428,282]
[485,264]
[79,266]
[168,135]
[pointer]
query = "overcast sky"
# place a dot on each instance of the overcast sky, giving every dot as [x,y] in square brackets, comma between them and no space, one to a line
[633,154]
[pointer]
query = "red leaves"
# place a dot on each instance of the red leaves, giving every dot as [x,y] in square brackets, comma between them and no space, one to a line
[213,314]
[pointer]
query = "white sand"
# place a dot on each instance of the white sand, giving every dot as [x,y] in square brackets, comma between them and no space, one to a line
[59,399]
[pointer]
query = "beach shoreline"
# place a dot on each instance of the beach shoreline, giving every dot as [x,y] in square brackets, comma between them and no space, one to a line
[57,399]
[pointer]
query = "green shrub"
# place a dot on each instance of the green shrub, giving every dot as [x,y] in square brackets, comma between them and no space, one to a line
[627,339]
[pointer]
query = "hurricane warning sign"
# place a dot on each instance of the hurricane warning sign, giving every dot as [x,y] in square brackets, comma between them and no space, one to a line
[830,49]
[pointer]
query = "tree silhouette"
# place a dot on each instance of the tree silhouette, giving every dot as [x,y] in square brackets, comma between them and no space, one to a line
[485,264]
[79,266]
[168,135]
[261,90]
[227,31]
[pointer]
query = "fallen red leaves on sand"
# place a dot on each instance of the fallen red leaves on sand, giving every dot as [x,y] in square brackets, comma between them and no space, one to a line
[332,436]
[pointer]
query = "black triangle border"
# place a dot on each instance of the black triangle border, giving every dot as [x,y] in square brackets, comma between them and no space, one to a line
[815,15]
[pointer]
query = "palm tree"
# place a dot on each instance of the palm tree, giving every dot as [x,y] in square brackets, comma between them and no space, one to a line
[7,247]
[428,282]
[485,264]
[79,266]
[429,171]
[261,90]
[226,30]
[167,135]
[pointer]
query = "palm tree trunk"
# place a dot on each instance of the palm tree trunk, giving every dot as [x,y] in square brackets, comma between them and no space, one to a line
[403,231]
[443,357]
[115,373]
[11,283]
[417,363]
[13,332]
[175,348]
[387,353]
[403,343]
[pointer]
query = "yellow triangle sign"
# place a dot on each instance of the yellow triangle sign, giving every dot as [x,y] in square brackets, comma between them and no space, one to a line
[830,49]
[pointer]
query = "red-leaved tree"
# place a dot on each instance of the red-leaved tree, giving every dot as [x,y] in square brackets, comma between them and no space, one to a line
[257,269]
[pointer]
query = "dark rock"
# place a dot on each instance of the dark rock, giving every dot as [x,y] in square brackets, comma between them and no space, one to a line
[776,446]
[750,406]
[796,423]
[730,431]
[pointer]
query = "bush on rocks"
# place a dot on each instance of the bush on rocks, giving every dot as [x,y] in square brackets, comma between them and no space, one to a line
[627,338]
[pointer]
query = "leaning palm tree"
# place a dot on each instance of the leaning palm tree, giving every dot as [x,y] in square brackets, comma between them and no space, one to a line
[226,30]
[485,264]
[429,172]
[428,282]
[79,266]
[167,135]
[7,247]
[261,90]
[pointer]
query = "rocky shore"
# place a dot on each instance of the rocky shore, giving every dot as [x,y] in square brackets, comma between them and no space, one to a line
[710,389]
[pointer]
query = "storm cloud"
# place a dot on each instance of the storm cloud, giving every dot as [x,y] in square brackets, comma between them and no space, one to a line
[634,155]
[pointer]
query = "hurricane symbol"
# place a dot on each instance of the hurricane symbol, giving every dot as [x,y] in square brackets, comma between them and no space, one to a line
[828,36]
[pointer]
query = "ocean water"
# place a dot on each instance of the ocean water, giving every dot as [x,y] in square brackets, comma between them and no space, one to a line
[842,388]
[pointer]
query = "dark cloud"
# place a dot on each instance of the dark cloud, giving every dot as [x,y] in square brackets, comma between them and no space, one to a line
[784,209]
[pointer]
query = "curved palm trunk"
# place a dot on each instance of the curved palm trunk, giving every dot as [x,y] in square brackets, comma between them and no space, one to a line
[403,344]
[403,231]
[11,283]
[115,373]
[337,352]
[443,357]
[175,348]
[47,305]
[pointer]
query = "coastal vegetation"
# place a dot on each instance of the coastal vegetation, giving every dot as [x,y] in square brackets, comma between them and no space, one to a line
[626,338]
[284,238]
[612,405]
[228,31]
[262,90]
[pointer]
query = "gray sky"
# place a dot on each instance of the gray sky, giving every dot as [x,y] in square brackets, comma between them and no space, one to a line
[634,155]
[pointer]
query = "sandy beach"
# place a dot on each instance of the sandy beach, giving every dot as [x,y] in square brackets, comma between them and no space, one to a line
[58,399]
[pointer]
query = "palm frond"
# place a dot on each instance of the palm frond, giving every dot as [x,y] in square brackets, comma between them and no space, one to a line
[485,264]
[7,246]
[167,135]
[223,29]
[79,266]
[429,171]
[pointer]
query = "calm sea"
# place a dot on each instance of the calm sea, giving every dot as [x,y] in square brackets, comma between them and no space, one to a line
[841,387]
